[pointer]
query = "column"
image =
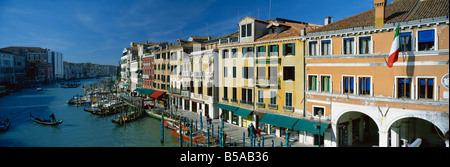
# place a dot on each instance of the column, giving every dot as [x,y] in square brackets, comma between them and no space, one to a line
[350,133]
[395,136]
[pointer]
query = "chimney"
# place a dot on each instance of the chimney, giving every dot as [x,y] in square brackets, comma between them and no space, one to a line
[379,12]
[328,20]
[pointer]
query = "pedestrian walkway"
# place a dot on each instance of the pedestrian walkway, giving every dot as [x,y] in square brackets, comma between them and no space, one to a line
[235,133]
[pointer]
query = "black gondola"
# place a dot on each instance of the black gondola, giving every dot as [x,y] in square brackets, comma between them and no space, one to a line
[45,121]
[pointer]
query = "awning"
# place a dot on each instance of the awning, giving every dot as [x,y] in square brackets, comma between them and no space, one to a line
[242,112]
[138,71]
[227,107]
[144,91]
[125,85]
[311,127]
[156,94]
[278,120]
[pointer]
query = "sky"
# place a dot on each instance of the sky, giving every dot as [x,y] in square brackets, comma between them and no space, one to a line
[97,31]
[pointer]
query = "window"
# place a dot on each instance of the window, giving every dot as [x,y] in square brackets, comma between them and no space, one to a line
[225,93]
[249,30]
[312,82]
[200,88]
[225,72]
[403,87]
[261,51]
[348,46]
[364,45]
[209,89]
[364,86]
[325,84]
[288,99]
[260,96]
[289,73]
[426,40]
[318,110]
[247,72]
[246,96]
[405,41]
[273,50]
[225,53]
[348,84]
[261,73]
[273,97]
[288,49]
[234,72]
[312,48]
[273,75]
[326,47]
[426,88]
[246,30]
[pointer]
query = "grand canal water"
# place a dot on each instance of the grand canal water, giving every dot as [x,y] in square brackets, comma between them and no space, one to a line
[79,129]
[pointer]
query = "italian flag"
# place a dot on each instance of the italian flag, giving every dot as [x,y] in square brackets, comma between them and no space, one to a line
[395,48]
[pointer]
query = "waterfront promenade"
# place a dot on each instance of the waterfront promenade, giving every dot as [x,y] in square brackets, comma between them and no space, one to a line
[234,132]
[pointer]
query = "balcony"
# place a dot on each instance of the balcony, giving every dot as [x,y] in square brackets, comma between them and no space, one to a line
[175,90]
[145,77]
[271,82]
[185,93]
[234,100]
[198,75]
[246,102]
[225,99]
[260,105]
[273,106]
[186,74]
[274,54]
[261,54]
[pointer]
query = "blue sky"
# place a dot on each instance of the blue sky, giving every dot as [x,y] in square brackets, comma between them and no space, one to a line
[97,31]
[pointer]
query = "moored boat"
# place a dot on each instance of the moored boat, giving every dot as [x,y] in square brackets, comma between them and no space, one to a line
[45,121]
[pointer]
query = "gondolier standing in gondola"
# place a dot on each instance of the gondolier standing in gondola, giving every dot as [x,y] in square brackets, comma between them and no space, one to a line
[53,117]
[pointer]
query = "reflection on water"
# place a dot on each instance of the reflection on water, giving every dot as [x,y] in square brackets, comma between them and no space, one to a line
[79,129]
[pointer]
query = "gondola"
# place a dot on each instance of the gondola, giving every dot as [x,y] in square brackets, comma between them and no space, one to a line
[45,121]
[4,125]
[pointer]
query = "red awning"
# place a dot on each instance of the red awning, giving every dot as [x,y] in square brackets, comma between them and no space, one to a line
[156,94]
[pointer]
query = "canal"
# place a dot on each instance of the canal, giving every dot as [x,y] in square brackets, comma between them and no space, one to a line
[79,129]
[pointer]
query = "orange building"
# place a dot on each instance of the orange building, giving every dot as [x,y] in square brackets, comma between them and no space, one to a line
[368,103]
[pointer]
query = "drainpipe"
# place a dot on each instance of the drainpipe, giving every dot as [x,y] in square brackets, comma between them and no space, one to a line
[304,75]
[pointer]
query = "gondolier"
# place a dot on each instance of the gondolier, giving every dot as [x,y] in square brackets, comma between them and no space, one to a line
[53,117]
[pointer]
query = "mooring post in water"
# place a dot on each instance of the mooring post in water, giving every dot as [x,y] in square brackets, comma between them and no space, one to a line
[162,128]
[287,137]
[272,143]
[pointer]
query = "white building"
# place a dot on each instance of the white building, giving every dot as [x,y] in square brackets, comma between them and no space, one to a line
[56,59]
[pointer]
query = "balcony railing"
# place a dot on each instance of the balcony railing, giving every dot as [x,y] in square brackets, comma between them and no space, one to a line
[186,74]
[273,54]
[288,108]
[260,105]
[198,74]
[261,54]
[185,93]
[271,82]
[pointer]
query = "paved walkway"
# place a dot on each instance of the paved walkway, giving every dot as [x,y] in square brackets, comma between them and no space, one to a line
[235,133]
